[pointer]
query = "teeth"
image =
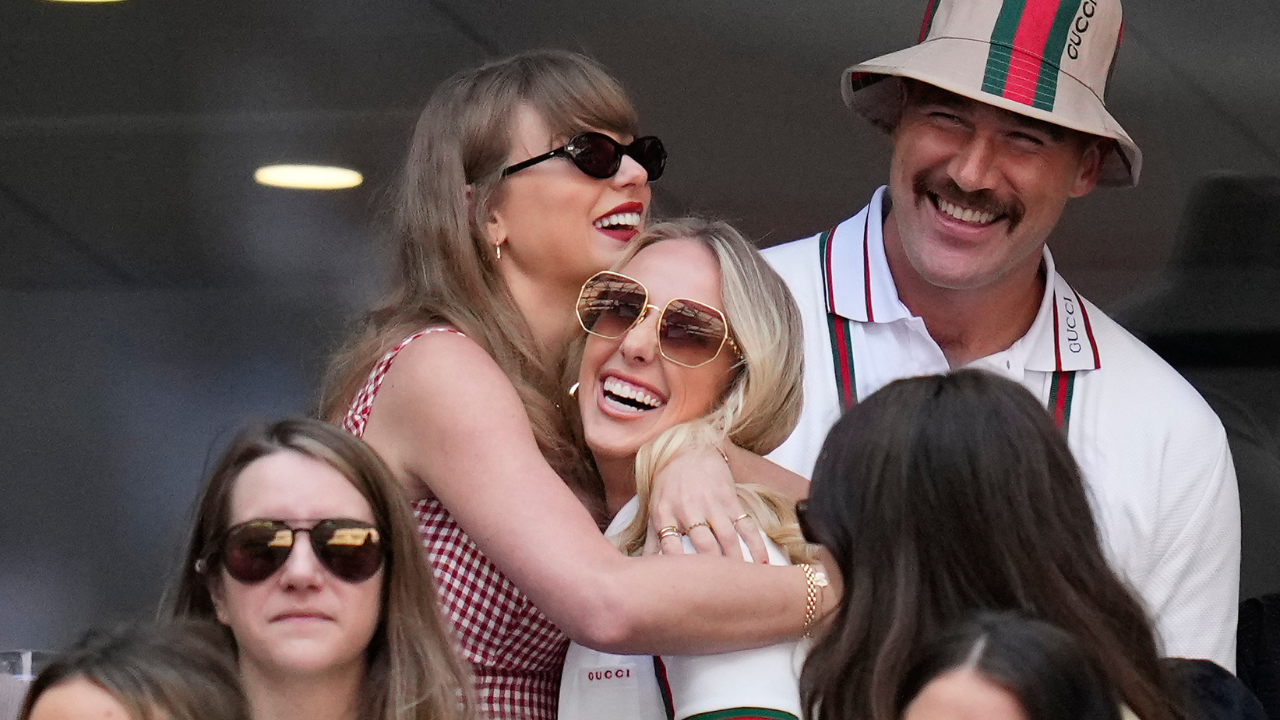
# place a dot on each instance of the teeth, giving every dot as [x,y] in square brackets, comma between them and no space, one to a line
[627,220]
[614,386]
[962,214]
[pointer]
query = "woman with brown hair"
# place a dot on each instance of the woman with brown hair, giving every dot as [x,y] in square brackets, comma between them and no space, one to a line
[526,177]
[304,550]
[942,495]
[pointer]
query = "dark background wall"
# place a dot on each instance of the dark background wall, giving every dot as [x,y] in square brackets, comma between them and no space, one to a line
[152,297]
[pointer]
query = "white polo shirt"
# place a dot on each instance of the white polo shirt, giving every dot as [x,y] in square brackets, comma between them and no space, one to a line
[1154,456]
[758,684]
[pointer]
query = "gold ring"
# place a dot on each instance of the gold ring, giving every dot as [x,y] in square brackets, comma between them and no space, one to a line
[743,516]
[668,531]
[701,523]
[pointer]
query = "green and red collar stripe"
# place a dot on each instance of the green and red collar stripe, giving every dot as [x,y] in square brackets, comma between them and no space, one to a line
[1026,43]
[1088,331]
[1062,387]
[828,278]
[839,329]
[1062,383]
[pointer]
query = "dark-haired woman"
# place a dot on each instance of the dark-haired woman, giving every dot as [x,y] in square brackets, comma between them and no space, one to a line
[526,177]
[174,671]
[941,495]
[1006,666]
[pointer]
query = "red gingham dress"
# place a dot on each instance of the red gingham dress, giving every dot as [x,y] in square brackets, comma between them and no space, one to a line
[515,652]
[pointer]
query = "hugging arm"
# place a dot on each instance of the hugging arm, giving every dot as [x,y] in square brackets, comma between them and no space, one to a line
[448,420]
[698,486]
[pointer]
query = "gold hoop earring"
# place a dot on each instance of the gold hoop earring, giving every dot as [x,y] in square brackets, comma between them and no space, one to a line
[498,248]
[573,390]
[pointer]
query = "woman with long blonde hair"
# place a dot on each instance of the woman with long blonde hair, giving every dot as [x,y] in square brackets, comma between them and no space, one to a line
[527,176]
[692,341]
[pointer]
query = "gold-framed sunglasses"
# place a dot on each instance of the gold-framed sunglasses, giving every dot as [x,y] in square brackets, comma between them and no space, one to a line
[690,333]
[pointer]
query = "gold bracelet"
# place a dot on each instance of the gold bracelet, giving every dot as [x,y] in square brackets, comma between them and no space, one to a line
[815,580]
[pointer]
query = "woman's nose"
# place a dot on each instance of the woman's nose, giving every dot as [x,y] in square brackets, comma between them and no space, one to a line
[640,344]
[630,173]
[302,568]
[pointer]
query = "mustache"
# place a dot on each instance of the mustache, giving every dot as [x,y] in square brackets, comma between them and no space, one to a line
[981,200]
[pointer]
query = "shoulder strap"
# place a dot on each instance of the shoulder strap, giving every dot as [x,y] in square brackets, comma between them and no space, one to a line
[362,404]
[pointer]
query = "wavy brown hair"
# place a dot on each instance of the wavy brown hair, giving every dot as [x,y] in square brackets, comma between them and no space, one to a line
[942,495]
[412,672]
[445,270]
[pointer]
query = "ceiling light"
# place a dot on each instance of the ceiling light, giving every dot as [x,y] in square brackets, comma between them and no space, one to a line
[308,177]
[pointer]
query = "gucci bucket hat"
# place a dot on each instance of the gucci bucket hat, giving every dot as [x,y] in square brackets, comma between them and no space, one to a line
[1045,59]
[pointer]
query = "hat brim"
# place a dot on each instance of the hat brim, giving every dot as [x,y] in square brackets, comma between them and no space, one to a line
[952,64]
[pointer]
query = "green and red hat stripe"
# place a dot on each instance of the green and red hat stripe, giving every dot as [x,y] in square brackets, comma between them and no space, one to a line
[928,20]
[1026,42]
[1111,69]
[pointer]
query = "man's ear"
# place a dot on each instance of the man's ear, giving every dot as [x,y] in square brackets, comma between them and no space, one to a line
[904,96]
[1090,168]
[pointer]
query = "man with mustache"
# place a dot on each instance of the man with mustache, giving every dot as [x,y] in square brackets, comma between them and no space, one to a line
[997,120]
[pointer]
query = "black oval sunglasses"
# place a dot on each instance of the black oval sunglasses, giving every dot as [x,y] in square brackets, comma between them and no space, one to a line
[600,156]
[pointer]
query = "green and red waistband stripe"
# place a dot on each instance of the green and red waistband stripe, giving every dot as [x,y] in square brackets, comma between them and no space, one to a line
[744,713]
[1026,42]
[664,685]
[740,713]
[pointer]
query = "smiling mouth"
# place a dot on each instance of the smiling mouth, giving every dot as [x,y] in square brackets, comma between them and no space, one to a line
[979,209]
[619,221]
[962,213]
[632,398]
